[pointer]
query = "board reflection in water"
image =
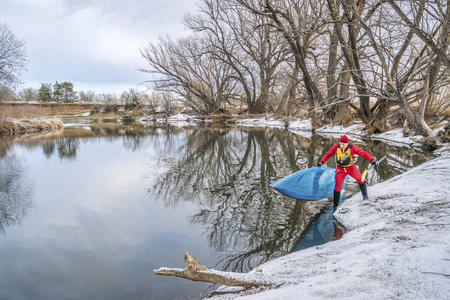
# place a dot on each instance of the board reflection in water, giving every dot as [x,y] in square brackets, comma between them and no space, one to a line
[322,230]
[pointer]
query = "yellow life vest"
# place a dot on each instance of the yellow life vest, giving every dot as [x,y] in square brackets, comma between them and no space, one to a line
[344,159]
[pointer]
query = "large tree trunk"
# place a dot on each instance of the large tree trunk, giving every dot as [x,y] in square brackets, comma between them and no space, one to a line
[197,272]
[286,107]
[332,87]
[343,115]
[416,119]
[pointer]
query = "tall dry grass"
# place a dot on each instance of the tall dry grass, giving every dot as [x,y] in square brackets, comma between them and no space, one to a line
[29,125]
[26,118]
[18,112]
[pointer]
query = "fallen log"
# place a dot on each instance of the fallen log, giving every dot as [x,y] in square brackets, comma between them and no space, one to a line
[198,272]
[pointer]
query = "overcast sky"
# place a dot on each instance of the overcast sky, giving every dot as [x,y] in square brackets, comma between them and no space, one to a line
[93,44]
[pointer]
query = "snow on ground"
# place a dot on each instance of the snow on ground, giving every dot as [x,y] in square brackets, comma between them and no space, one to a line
[264,122]
[180,120]
[397,244]
[355,132]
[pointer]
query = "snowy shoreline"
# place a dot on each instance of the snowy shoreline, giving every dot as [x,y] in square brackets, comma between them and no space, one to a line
[396,245]
[355,132]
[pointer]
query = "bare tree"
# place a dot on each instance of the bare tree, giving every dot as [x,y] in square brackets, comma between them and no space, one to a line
[185,67]
[347,29]
[440,15]
[6,94]
[241,40]
[87,96]
[28,95]
[389,61]
[373,57]
[12,57]
[427,73]
[108,99]
[301,24]
[151,101]
[130,98]
[392,60]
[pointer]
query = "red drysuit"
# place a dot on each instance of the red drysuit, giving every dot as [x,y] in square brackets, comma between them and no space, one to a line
[351,170]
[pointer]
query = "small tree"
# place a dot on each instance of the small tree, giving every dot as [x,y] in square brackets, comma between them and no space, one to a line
[63,92]
[86,97]
[28,95]
[6,94]
[45,92]
[130,98]
[57,92]
[68,94]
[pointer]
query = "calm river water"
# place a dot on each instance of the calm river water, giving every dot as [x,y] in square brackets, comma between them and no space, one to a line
[90,211]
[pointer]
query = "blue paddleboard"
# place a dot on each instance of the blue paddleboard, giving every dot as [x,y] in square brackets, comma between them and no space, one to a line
[310,184]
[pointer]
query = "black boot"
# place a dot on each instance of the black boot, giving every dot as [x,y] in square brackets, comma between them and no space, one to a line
[363,187]
[336,197]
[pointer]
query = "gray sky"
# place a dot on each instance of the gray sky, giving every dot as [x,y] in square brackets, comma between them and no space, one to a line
[93,44]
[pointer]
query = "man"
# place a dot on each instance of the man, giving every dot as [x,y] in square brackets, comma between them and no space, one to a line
[345,165]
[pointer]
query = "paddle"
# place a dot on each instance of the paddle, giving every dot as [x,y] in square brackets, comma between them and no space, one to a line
[363,176]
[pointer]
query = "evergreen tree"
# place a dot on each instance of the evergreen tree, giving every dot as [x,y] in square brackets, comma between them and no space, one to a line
[63,92]
[57,92]
[45,92]
[68,94]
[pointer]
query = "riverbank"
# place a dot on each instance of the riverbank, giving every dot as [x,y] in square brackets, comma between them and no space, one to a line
[396,244]
[395,247]
[27,125]
[26,117]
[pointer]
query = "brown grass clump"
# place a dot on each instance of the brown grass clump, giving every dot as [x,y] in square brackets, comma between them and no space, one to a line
[12,126]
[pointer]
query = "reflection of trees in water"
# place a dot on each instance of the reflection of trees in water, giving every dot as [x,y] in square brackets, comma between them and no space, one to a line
[67,148]
[228,172]
[66,142]
[5,145]
[15,192]
[48,147]
[134,137]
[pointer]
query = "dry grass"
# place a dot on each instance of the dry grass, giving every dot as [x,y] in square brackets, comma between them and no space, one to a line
[22,112]
[67,109]
[22,117]
[25,110]
[12,126]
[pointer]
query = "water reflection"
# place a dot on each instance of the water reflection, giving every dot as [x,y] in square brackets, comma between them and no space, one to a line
[16,192]
[227,172]
[322,230]
[139,196]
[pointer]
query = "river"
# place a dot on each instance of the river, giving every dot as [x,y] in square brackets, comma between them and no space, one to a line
[89,211]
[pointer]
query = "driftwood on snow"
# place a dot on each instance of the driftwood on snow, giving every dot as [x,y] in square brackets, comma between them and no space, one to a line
[197,272]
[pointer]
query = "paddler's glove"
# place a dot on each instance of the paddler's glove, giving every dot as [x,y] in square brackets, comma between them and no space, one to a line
[375,163]
[319,164]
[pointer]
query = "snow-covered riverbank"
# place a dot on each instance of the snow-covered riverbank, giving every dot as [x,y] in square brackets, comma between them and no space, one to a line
[397,244]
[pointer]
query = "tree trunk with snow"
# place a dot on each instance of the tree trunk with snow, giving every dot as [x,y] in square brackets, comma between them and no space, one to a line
[197,272]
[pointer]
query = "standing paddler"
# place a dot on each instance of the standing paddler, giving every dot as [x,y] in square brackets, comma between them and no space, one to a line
[345,165]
